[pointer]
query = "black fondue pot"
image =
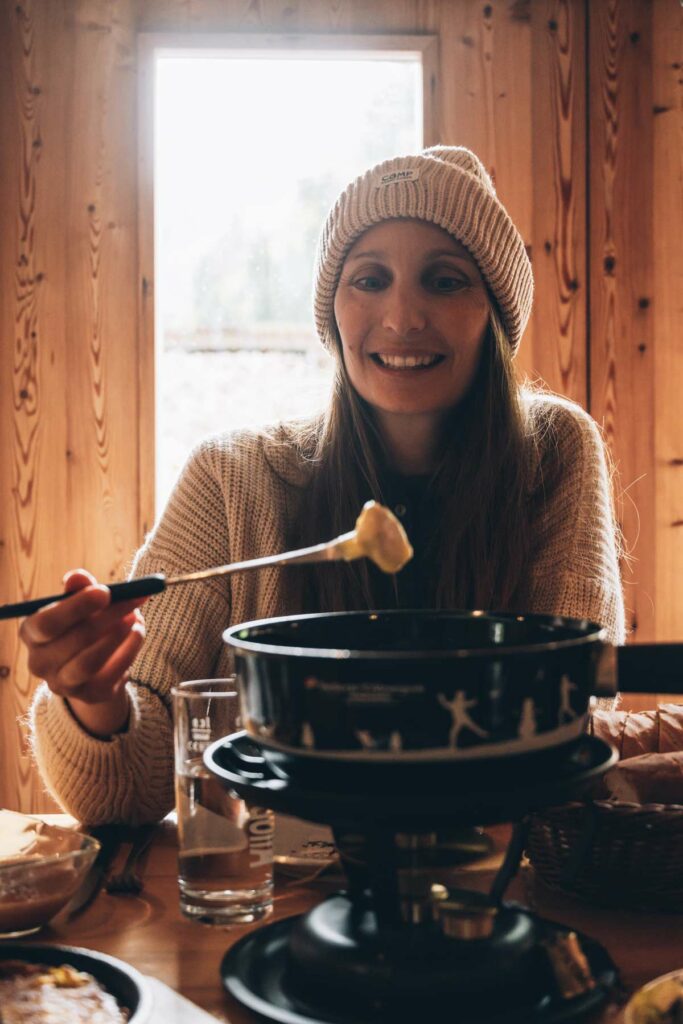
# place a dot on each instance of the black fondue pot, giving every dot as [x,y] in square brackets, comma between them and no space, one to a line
[424,686]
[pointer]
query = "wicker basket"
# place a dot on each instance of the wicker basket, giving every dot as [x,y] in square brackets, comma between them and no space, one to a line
[613,854]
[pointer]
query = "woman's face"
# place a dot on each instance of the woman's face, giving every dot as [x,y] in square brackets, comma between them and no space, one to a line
[412,309]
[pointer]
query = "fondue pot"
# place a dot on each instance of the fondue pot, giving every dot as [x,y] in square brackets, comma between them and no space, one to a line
[425,686]
[401,730]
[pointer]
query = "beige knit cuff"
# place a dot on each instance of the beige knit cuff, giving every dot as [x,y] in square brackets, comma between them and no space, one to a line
[126,778]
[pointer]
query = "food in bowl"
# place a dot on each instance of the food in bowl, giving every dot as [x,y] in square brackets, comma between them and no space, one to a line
[117,978]
[41,867]
[659,1002]
[45,994]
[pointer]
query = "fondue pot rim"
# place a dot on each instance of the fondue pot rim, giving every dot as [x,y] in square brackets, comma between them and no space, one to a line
[589,633]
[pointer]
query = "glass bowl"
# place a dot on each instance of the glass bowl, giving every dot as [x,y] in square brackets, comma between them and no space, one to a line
[35,888]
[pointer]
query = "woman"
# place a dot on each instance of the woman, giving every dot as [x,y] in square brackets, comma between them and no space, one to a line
[422,292]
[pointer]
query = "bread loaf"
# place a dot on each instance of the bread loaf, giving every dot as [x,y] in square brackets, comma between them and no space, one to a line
[650,748]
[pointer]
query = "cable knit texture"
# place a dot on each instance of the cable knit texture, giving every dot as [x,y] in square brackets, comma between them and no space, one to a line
[231,503]
[444,185]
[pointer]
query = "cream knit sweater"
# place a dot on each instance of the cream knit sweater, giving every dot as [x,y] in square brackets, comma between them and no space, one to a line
[232,502]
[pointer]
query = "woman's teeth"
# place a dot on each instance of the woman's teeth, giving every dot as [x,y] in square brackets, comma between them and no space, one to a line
[406,362]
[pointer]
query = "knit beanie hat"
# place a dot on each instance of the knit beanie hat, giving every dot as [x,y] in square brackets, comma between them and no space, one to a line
[444,185]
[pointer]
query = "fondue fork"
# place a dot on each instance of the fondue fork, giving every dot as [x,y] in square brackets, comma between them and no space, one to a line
[145,586]
[363,541]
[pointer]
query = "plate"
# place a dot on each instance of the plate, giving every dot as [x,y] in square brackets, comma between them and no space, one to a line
[651,1003]
[120,979]
[255,972]
[435,794]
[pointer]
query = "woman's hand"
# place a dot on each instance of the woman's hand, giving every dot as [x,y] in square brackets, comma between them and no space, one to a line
[83,646]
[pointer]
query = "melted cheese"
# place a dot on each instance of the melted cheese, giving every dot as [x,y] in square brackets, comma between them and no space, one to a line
[378,536]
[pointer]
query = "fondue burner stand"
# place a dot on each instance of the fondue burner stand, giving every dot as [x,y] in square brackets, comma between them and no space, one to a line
[400,943]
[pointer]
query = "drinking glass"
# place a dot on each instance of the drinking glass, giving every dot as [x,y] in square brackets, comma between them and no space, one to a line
[225,846]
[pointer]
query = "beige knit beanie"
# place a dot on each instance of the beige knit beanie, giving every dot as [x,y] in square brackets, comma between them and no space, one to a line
[447,186]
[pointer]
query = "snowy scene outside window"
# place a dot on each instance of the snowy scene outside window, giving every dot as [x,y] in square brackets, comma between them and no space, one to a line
[250,153]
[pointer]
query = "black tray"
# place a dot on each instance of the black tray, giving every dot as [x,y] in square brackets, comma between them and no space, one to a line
[254,972]
[417,797]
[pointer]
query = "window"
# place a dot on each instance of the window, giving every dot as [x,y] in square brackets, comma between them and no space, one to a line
[250,150]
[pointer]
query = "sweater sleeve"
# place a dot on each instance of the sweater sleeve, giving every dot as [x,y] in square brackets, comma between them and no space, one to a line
[129,777]
[575,564]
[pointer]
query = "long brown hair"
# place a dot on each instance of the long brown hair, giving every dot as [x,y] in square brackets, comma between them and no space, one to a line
[480,488]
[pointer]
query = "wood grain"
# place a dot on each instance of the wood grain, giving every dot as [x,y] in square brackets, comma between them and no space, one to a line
[278,15]
[622,240]
[486,72]
[32,393]
[103,436]
[69,475]
[559,204]
[666,314]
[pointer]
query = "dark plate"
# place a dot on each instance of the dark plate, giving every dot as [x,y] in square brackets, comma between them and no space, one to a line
[428,795]
[125,983]
[310,767]
[254,972]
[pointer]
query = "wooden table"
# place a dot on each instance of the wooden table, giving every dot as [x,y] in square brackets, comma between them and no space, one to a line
[149,932]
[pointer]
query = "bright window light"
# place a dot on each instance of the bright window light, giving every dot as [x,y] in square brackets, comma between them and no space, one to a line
[250,152]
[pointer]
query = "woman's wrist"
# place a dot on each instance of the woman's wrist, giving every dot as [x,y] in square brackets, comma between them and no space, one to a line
[102,720]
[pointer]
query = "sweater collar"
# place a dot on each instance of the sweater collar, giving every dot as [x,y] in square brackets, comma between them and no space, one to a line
[282,447]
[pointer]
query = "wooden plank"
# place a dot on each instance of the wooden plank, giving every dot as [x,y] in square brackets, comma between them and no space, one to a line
[32,394]
[278,15]
[71,469]
[146,289]
[101,315]
[666,313]
[431,91]
[486,100]
[621,257]
[559,197]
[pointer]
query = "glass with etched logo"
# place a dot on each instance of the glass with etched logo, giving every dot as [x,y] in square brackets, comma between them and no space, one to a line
[225,847]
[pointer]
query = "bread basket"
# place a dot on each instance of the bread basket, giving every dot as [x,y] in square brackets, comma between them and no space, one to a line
[611,853]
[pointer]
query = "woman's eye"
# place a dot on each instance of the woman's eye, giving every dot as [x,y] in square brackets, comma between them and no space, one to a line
[369,283]
[446,283]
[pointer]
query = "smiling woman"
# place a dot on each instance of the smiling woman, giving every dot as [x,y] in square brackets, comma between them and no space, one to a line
[422,292]
[411,310]
[419,262]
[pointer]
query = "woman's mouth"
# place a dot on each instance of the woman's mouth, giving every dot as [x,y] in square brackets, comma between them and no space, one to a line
[408,362]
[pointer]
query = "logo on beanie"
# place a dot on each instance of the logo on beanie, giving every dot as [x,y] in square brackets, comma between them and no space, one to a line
[409,174]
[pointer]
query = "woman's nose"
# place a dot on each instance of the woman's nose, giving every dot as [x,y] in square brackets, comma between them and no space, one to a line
[403,312]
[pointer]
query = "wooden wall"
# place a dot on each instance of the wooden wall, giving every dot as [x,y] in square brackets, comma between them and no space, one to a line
[574,105]
[635,213]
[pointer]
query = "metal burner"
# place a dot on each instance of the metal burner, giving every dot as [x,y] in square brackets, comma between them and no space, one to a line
[293,972]
[404,941]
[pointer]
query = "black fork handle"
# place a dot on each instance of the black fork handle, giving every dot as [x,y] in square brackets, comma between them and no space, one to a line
[143,586]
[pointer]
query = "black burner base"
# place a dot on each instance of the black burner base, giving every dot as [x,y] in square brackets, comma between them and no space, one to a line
[299,971]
